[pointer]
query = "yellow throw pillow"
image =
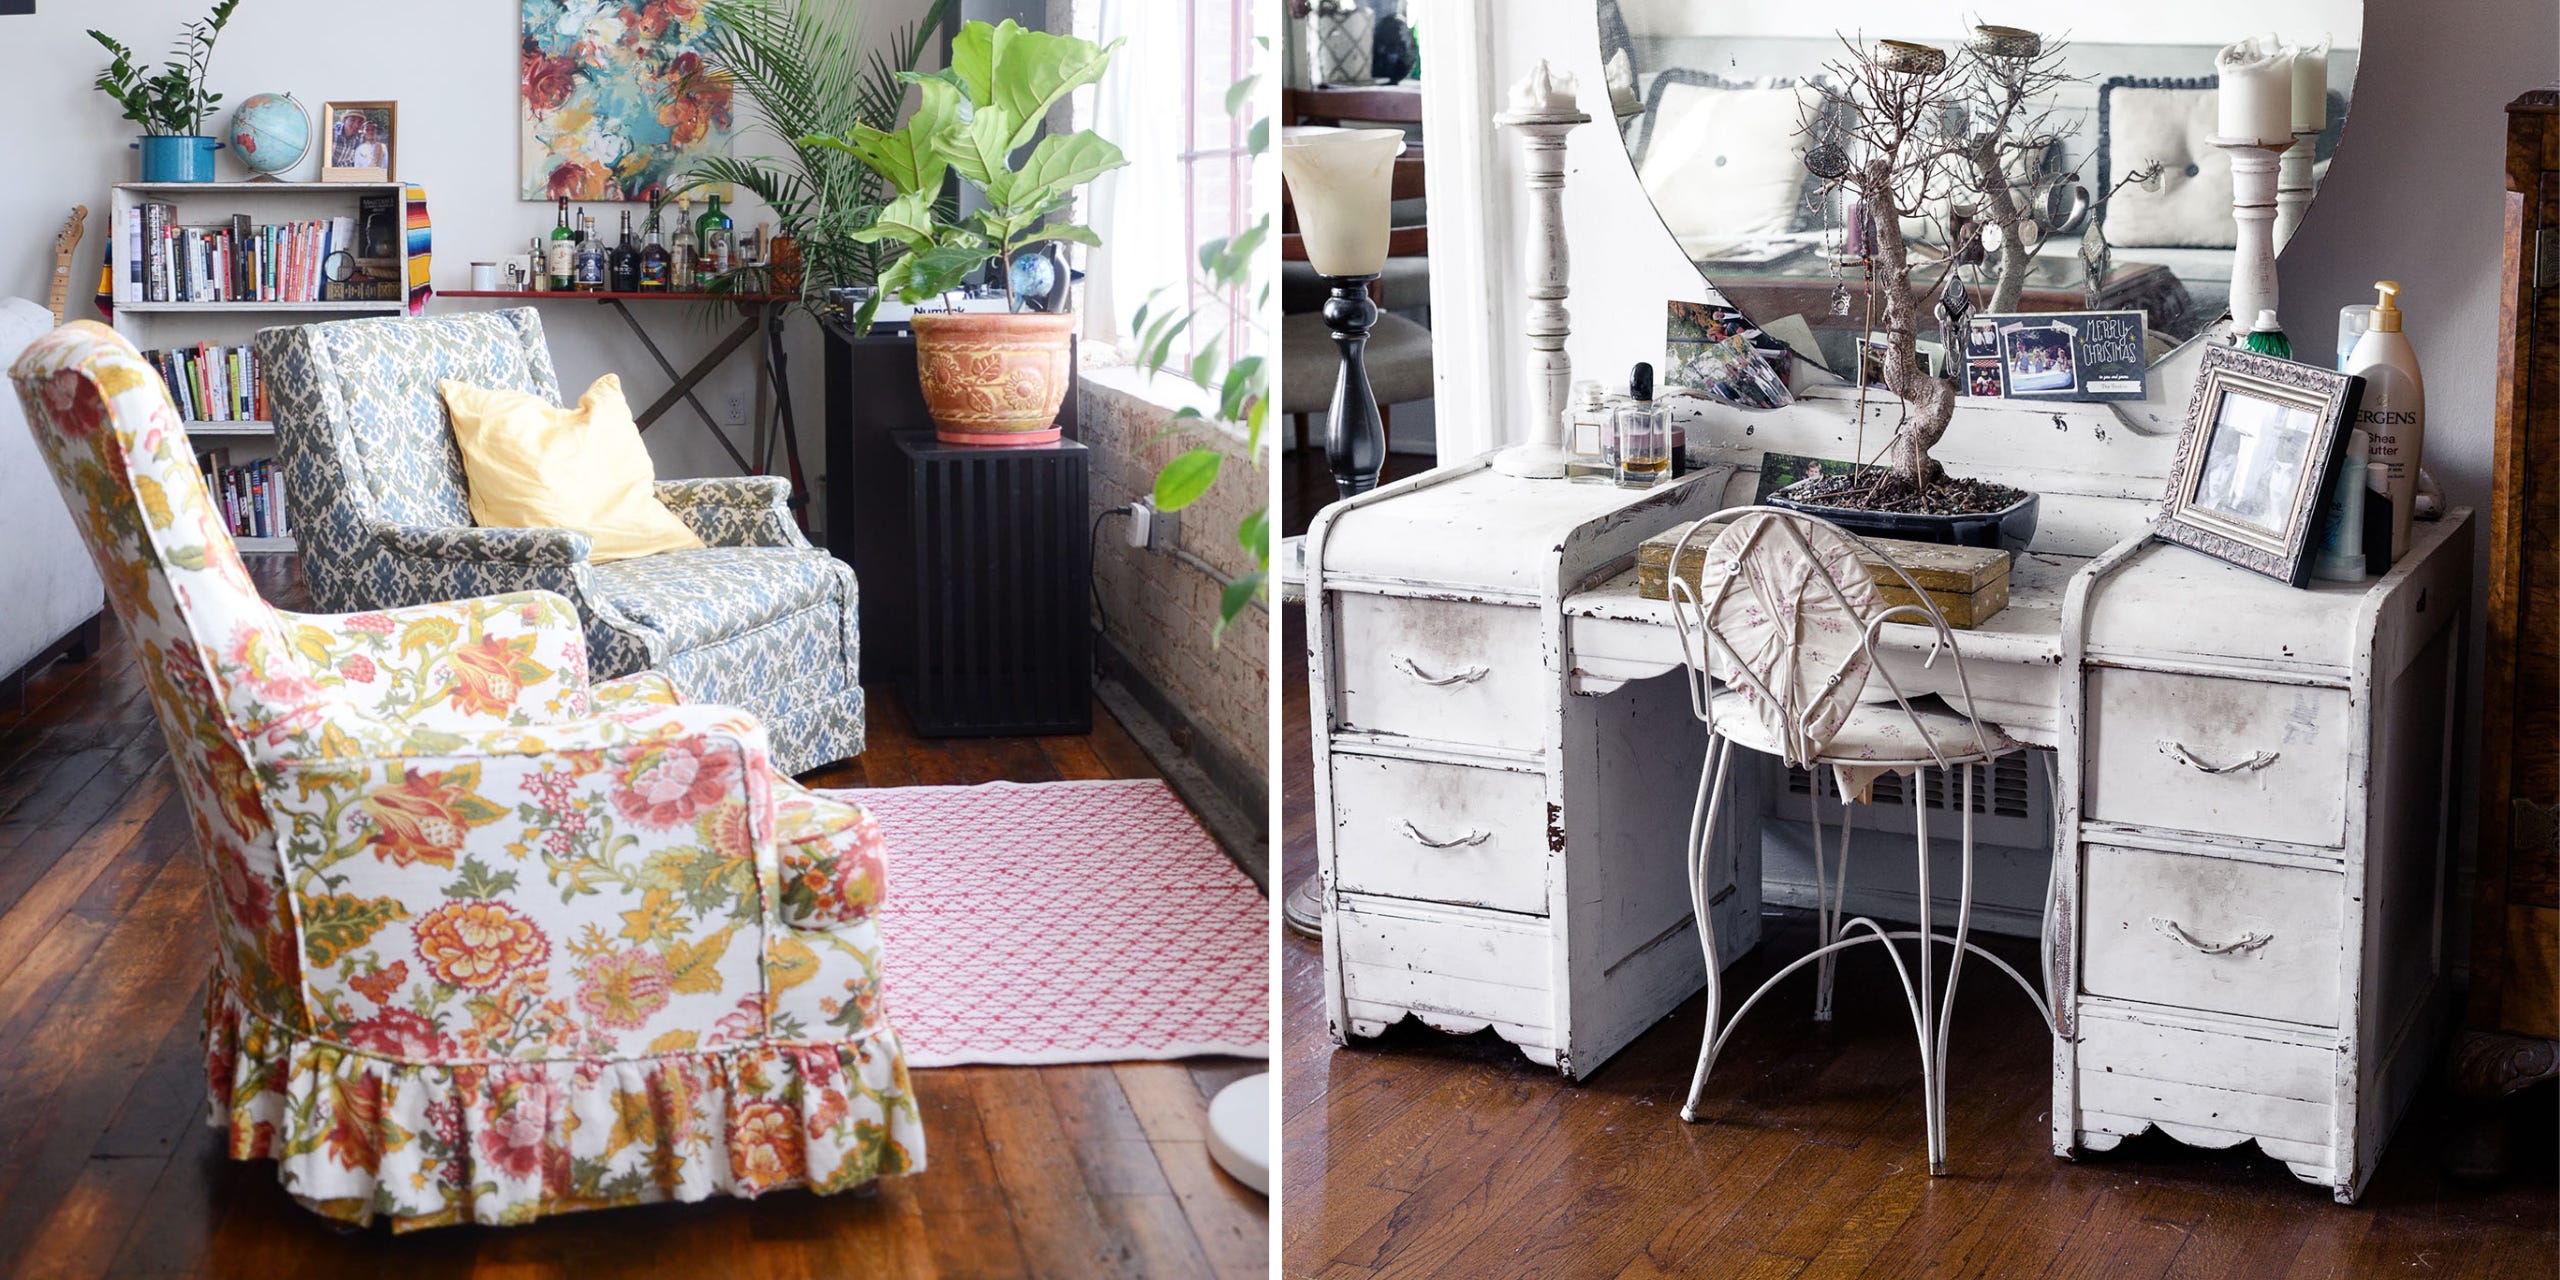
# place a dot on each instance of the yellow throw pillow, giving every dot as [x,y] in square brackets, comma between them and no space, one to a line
[534,465]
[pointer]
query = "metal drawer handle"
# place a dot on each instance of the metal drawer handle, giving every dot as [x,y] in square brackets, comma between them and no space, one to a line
[2249,941]
[2256,761]
[1467,675]
[1414,834]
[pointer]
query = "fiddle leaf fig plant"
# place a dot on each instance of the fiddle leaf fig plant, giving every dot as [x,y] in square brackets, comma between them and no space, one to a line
[970,120]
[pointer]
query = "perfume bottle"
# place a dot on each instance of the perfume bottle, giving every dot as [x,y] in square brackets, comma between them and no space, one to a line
[1642,431]
[1588,457]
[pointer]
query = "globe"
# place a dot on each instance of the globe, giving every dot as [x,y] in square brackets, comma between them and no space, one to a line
[270,133]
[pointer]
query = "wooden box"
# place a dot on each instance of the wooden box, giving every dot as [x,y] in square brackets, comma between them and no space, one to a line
[1968,584]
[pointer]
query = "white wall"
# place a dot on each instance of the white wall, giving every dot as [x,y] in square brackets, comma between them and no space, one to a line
[452,67]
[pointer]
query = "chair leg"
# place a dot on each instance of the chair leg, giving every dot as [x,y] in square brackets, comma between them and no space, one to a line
[1702,834]
[1299,420]
[1830,893]
[1925,1006]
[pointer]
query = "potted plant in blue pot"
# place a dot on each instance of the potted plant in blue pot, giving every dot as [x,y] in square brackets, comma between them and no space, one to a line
[170,104]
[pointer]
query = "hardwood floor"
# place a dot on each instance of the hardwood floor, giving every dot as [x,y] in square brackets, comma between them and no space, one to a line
[108,1169]
[1424,1154]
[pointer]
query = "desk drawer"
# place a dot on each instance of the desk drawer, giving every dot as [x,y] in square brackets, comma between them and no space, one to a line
[1440,670]
[1440,833]
[1455,969]
[2220,757]
[2195,932]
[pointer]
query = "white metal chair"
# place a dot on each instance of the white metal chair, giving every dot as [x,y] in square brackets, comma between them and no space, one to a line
[1778,633]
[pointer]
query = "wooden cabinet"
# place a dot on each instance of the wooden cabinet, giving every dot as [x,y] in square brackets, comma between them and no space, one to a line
[2512,1023]
[2255,853]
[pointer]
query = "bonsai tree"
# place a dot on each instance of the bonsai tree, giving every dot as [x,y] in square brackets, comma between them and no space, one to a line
[970,120]
[794,61]
[1890,107]
[172,100]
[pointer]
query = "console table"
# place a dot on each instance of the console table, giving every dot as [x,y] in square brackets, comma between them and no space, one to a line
[1505,761]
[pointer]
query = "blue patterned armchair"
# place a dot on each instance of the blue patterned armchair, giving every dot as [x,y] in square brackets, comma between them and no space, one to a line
[756,618]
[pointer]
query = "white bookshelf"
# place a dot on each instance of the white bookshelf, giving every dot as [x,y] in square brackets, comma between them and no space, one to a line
[159,325]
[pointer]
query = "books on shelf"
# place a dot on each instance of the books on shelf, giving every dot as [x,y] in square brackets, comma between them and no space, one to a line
[228,261]
[210,382]
[250,496]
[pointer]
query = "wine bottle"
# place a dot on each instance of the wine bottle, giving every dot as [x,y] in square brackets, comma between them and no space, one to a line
[591,257]
[681,250]
[653,261]
[626,259]
[560,258]
[716,238]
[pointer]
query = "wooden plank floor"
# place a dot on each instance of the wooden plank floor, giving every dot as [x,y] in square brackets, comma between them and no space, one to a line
[1430,1155]
[107,1167]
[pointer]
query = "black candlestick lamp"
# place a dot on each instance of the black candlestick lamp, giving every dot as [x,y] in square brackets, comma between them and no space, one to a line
[1339,182]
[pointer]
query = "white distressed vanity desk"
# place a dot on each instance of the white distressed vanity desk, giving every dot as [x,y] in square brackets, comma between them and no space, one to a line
[1504,768]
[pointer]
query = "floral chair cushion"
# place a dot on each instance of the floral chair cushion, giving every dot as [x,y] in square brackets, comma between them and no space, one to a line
[492,942]
[382,513]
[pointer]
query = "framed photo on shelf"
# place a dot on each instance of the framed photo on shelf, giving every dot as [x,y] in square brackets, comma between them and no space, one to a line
[2255,461]
[361,140]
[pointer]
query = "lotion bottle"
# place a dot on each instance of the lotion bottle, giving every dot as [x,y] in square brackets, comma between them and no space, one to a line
[2393,413]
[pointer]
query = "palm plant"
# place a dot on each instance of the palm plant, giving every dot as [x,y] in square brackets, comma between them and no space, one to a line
[799,65]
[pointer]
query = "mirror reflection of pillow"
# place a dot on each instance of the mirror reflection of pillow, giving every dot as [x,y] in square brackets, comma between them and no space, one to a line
[2192,208]
[1726,166]
[534,465]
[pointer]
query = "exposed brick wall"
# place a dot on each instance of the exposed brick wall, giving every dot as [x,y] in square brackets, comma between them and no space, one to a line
[1158,610]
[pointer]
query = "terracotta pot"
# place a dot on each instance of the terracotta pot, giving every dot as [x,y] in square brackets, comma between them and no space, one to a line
[994,378]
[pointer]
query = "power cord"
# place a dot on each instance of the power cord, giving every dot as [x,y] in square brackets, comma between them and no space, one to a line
[1093,581]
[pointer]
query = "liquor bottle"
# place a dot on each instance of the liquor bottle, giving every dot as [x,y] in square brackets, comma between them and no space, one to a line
[560,258]
[782,258]
[591,257]
[717,237]
[681,250]
[653,261]
[626,259]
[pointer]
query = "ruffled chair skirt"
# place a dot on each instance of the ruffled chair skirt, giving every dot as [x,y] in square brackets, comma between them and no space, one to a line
[355,1134]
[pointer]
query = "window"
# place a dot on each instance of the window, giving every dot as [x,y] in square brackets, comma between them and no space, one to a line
[1190,177]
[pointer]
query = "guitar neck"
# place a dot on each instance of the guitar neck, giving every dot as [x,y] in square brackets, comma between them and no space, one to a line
[61,287]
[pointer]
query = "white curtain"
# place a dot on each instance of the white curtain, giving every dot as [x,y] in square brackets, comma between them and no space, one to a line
[1137,209]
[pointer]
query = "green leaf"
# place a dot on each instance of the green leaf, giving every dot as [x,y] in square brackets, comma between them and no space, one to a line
[907,219]
[1024,72]
[979,149]
[1074,233]
[477,881]
[1233,600]
[334,924]
[1253,533]
[1055,167]
[1204,364]
[1257,140]
[1243,385]
[1185,478]
[939,270]
[1253,419]
[1239,92]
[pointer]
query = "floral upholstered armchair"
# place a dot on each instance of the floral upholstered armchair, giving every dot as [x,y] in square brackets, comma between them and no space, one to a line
[491,942]
[374,482]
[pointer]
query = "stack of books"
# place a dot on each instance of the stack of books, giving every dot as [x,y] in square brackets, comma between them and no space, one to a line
[249,496]
[213,383]
[229,261]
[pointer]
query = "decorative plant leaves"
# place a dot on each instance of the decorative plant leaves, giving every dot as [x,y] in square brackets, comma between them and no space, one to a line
[334,924]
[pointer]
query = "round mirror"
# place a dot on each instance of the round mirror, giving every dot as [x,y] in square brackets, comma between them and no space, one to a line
[2090,145]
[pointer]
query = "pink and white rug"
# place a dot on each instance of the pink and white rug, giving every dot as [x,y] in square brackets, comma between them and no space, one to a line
[1067,922]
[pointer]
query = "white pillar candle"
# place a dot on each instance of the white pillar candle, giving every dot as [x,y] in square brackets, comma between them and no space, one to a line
[2311,87]
[1545,90]
[1340,181]
[2257,91]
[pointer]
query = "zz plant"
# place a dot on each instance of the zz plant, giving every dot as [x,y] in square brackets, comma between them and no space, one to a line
[970,120]
[172,100]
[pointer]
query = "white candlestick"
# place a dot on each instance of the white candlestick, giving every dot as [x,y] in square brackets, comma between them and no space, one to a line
[2256,98]
[2253,206]
[2311,87]
[2293,184]
[1543,115]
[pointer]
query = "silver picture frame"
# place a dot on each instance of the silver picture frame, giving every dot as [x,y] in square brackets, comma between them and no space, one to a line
[2260,449]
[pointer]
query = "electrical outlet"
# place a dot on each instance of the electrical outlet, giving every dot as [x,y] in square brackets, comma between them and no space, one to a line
[1164,532]
[734,411]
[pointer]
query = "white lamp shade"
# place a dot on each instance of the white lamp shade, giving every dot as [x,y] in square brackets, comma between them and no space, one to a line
[1340,181]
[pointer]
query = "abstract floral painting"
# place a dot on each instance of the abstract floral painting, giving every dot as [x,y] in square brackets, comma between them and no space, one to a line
[608,110]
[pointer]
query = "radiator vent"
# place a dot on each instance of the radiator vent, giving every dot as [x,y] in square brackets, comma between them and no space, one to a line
[2006,793]
[1002,639]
